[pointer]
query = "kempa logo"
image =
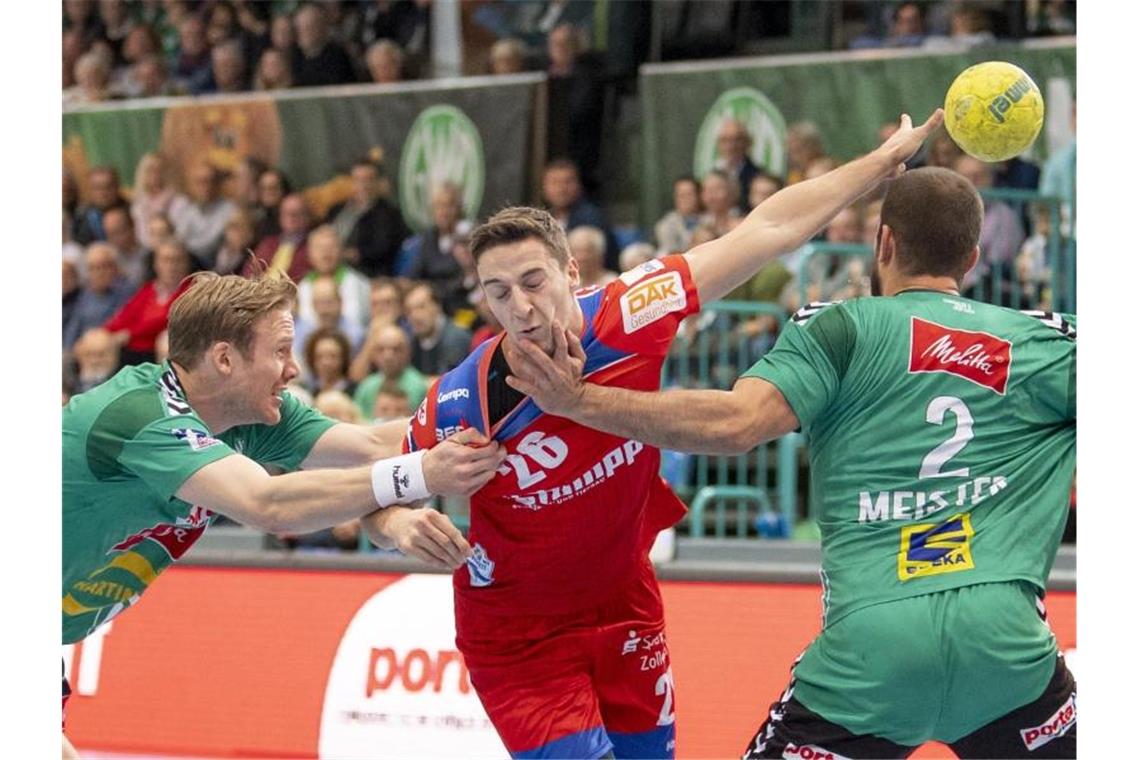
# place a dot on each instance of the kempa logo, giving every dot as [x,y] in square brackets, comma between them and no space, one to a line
[762,120]
[443,145]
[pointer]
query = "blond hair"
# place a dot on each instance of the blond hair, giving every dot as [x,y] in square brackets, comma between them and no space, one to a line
[219,308]
[518,223]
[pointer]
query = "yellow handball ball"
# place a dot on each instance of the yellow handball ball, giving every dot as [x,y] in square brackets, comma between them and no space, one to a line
[994,111]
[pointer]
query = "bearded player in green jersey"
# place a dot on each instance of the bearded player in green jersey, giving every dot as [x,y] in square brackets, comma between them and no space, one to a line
[942,434]
[151,456]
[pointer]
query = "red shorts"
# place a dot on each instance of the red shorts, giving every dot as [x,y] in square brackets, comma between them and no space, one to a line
[577,685]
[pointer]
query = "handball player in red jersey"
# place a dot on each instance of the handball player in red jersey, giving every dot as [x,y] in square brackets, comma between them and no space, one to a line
[558,612]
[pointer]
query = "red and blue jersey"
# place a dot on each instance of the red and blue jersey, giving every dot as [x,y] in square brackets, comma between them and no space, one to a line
[572,512]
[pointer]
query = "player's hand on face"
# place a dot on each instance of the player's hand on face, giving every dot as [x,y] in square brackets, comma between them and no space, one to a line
[425,534]
[462,464]
[905,142]
[553,382]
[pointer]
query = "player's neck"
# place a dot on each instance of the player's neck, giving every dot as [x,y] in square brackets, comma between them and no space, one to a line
[923,282]
[207,401]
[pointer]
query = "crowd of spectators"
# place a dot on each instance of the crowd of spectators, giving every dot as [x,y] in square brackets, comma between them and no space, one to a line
[383,309]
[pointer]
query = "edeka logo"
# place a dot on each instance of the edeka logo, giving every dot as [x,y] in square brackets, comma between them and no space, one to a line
[398,687]
[443,145]
[1058,724]
[934,549]
[979,357]
[760,117]
[650,300]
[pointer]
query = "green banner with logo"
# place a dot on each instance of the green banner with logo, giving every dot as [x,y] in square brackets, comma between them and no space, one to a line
[849,96]
[479,136]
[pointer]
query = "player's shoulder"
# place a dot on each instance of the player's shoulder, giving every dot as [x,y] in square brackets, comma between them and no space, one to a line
[1064,325]
[808,312]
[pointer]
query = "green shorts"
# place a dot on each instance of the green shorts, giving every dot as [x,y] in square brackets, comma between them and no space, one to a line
[936,666]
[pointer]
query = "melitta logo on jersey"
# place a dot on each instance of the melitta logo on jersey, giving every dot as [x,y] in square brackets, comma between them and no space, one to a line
[650,300]
[979,357]
[1058,724]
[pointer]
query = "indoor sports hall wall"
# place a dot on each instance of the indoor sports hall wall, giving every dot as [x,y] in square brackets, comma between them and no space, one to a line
[239,662]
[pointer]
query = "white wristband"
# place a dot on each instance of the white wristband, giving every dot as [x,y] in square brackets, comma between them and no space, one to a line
[399,480]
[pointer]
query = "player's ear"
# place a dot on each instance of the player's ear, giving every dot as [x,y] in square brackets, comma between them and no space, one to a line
[972,259]
[221,357]
[885,245]
[572,273]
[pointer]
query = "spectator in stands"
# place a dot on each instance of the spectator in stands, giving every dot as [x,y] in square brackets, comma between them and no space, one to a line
[192,65]
[438,344]
[242,184]
[134,262]
[319,60]
[327,353]
[338,405]
[370,227]
[201,222]
[227,68]
[328,314]
[763,187]
[273,71]
[1059,178]
[141,42]
[385,62]
[588,247]
[282,36]
[907,29]
[970,25]
[732,145]
[272,187]
[674,230]
[160,229]
[508,56]
[821,276]
[392,403]
[79,15]
[1032,264]
[71,289]
[102,295]
[805,144]
[429,255]
[72,49]
[70,197]
[719,197]
[942,150]
[390,351]
[1001,236]
[92,81]
[405,22]
[387,303]
[636,254]
[574,116]
[152,78]
[136,325]
[486,326]
[116,24]
[326,259]
[152,194]
[562,193]
[237,243]
[872,214]
[103,191]
[286,251]
[97,359]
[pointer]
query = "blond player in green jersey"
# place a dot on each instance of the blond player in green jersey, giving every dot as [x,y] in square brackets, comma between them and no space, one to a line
[154,454]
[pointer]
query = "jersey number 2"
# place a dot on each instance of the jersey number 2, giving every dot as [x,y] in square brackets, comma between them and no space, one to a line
[933,462]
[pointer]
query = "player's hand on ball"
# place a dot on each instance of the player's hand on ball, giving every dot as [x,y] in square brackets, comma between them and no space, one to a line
[553,382]
[425,534]
[906,141]
[462,464]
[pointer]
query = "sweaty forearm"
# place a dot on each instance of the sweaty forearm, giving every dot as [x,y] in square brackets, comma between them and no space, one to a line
[698,421]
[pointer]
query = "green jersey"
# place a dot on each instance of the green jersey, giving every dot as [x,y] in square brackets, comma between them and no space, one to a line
[128,446]
[942,435]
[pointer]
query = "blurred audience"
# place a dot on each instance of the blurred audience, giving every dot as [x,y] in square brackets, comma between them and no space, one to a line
[719,196]
[96,358]
[134,259]
[385,61]
[674,231]
[508,56]
[389,350]
[237,243]
[430,255]
[317,58]
[152,194]
[136,325]
[574,104]
[286,251]
[732,145]
[588,247]
[805,144]
[200,222]
[370,227]
[104,291]
[326,259]
[103,192]
[438,344]
[327,353]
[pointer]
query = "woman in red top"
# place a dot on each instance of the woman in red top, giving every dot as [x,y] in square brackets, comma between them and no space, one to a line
[136,325]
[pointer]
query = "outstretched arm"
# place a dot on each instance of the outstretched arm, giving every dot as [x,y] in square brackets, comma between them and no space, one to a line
[792,216]
[699,421]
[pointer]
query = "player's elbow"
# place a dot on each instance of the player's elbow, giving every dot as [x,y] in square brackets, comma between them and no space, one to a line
[741,432]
